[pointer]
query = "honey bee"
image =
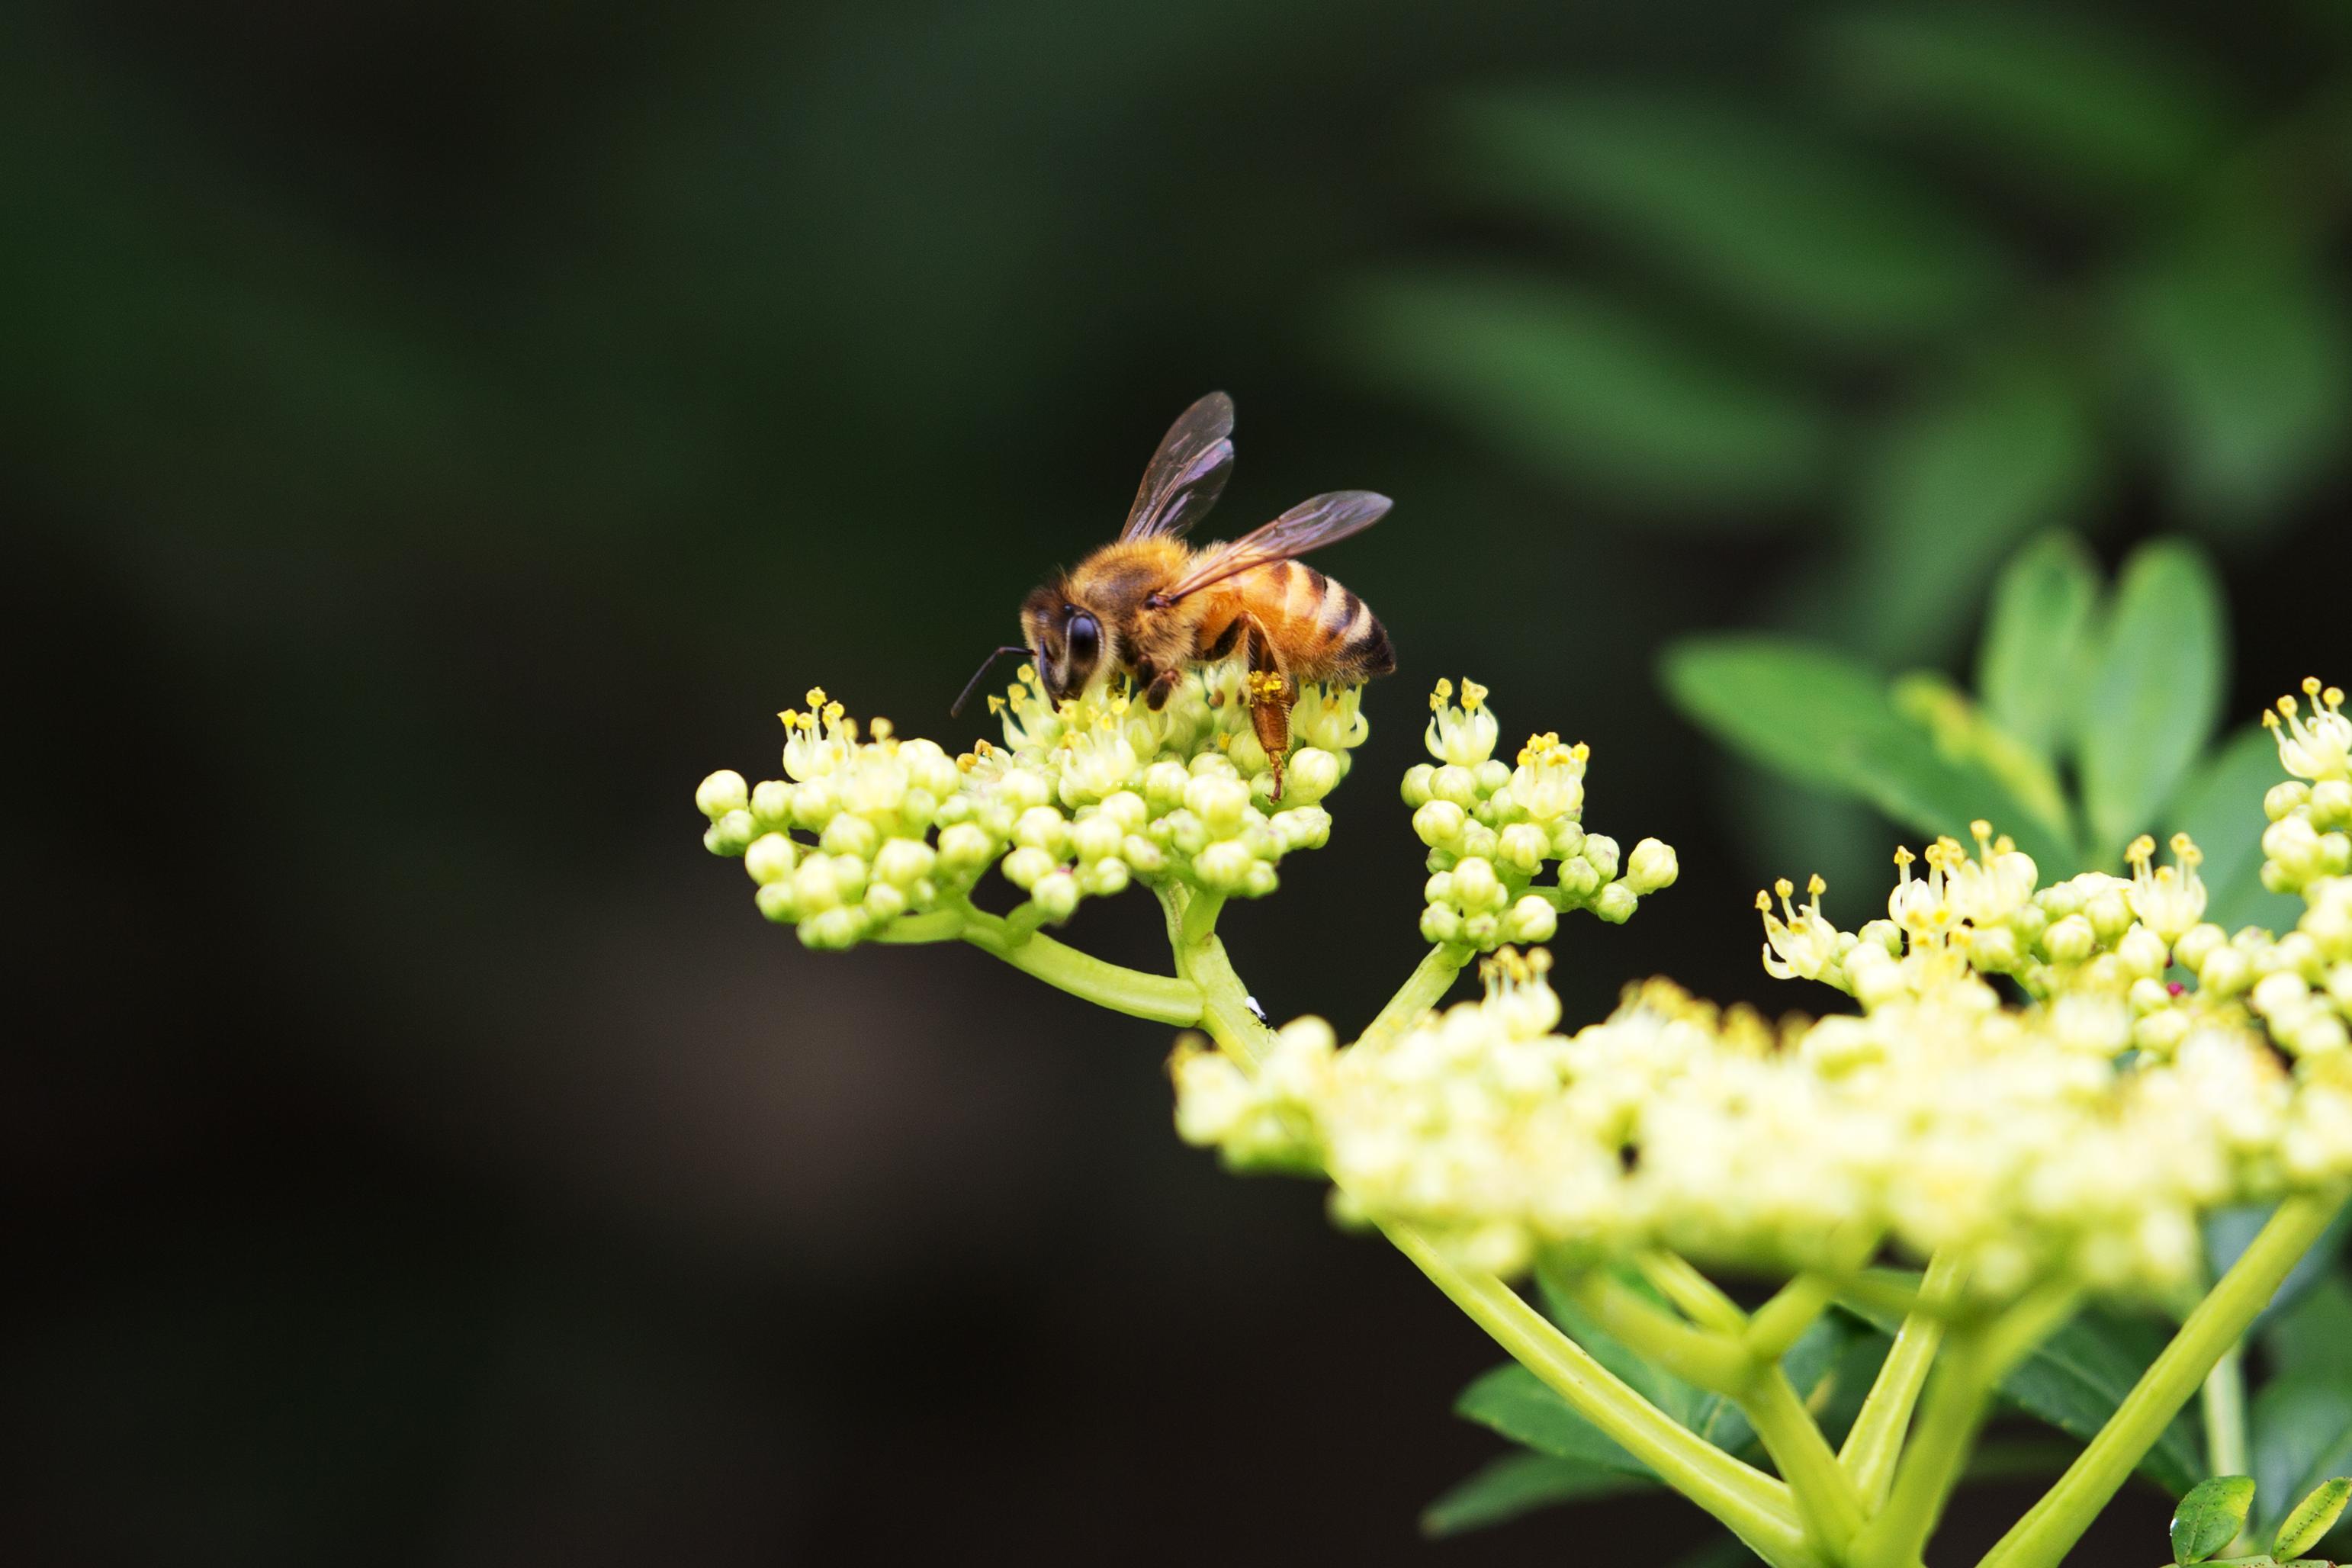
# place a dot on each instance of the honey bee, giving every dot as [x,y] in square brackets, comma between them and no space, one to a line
[1152,607]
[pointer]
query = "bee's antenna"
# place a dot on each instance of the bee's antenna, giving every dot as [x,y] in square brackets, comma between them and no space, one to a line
[985,665]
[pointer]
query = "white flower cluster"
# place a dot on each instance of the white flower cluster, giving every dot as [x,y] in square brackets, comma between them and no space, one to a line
[1079,800]
[2158,1068]
[1492,828]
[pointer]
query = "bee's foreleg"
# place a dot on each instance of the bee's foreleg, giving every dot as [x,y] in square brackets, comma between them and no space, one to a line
[1161,686]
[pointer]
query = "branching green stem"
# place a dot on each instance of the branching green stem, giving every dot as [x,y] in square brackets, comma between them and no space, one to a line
[1701,1299]
[1162,998]
[1755,1507]
[2053,1525]
[1420,992]
[1715,1362]
[1825,1494]
[1876,1440]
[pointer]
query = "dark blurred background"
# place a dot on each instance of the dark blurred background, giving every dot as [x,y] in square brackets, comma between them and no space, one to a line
[435,435]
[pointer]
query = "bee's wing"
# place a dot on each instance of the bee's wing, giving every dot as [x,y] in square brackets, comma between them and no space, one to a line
[1188,472]
[1316,522]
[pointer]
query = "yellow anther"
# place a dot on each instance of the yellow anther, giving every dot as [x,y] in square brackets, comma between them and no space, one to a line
[1815,886]
[2311,686]
[1473,696]
[1903,856]
[1026,674]
[996,704]
[791,716]
[1763,901]
[1784,886]
[881,727]
[815,698]
[2269,720]
[2185,850]
[2333,696]
[834,712]
[1441,694]
[2142,850]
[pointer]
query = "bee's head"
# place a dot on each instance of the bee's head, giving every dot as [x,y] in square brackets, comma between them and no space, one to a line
[1067,639]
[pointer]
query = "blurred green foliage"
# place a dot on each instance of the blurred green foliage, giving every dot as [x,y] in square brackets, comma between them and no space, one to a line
[1973,273]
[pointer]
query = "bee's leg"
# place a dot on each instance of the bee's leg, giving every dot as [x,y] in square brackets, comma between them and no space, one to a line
[1271,693]
[1163,685]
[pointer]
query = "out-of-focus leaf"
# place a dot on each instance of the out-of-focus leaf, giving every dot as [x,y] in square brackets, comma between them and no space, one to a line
[2301,1434]
[2230,1231]
[1955,485]
[1963,734]
[2312,1337]
[1803,233]
[2311,1518]
[2035,634]
[2221,806]
[1520,1483]
[1513,1402]
[2247,352]
[2076,1379]
[2110,113]
[1584,393]
[2214,1512]
[1728,1552]
[2153,691]
[1826,719]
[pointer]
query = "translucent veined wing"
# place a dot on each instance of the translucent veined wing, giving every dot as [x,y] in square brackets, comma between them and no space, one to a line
[1188,473]
[1316,522]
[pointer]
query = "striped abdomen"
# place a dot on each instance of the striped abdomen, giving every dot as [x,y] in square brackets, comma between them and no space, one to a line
[1320,630]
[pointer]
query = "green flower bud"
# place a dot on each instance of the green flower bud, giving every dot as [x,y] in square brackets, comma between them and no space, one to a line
[2225,972]
[1056,894]
[1146,858]
[2331,803]
[1477,839]
[1483,931]
[1260,881]
[1523,844]
[1579,881]
[2282,799]
[2070,940]
[1615,903]
[1224,866]
[1491,775]
[1163,784]
[1028,866]
[814,805]
[1219,803]
[903,862]
[1182,831]
[833,930]
[2110,914]
[1439,822]
[1311,774]
[772,803]
[1883,935]
[1127,809]
[1441,922]
[1102,879]
[1023,788]
[721,792]
[816,887]
[1302,827]
[731,834]
[775,901]
[1042,827]
[1531,919]
[1457,785]
[2142,952]
[1094,837]
[1653,866]
[1439,889]
[770,858]
[1600,852]
[851,836]
[965,848]
[1417,785]
[1567,838]
[2197,944]
[883,903]
[1477,888]
[1994,949]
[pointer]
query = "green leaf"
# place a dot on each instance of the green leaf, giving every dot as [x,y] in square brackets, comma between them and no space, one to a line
[2220,804]
[2311,1518]
[2078,1376]
[2302,1436]
[1586,394]
[1826,719]
[2230,1231]
[1952,488]
[2246,353]
[2312,1337]
[2034,640]
[1963,734]
[2109,112]
[1801,232]
[2076,1379]
[2214,1512]
[1513,1402]
[1520,1483]
[2154,693]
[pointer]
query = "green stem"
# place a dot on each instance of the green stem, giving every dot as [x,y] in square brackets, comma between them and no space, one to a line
[1700,1298]
[1162,998]
[2053,1525]
[2225,1413]
[1825,1494]
[1715,1362]
[1780,1323]
[1752,1505]
[1955,1407]
[1877,1439]
[1225,1009]
[1429,981]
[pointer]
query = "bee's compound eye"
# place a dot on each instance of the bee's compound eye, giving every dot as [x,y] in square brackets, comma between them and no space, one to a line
[1086,639]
